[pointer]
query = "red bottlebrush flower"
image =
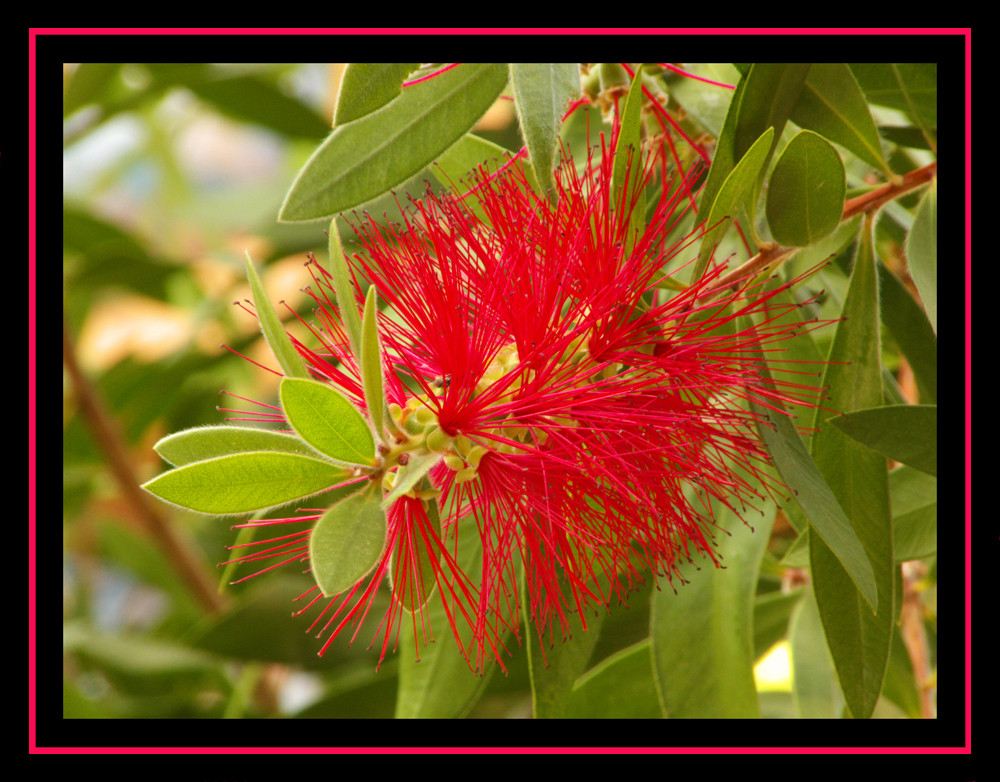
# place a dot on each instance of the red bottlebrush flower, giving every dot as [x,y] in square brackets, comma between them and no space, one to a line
[580,417]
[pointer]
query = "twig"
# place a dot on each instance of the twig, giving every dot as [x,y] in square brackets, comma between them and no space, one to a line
[872,200]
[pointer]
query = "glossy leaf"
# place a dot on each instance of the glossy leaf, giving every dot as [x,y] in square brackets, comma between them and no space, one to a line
[245,482]
[833,105]
[904,433]
[911,330]
[347,542]
[542,91]
[366,158]
[805,195]
[921,252]
[858,640]
[725,151]
[702,638]
[207,442]
[733,195]
[274,332]
[366,87]
[326,419]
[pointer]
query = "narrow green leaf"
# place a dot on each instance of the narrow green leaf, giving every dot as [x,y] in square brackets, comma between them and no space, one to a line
[326,419]
[725,151]
[905,433]
[542,91]
[288,357]
[343,288]
[772,89]
[620,687]
[207,442]
[245,482]
[366,87]
[248,97]
[772,612]
[909,87]
[366,158]
[732,197]
[347,542]
[371,365]
[702,636]
[858,640]
[921,252]
[805,196]
[815,498]
[409,475]
[833,105]
[914,513]
[626,172]
[89,82]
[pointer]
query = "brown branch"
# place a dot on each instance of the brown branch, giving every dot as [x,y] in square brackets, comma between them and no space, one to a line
[872,200]
[110,441]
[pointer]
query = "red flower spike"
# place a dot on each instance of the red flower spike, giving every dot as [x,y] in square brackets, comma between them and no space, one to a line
[585,422]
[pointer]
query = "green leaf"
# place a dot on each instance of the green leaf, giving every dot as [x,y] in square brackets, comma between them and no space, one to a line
[366,87]
[207,442]
[542,91]
[274,332]
[702,638]
[921,252]
[725,151]
[343,288]
[89,82]
[909,87]
[914,513]
[366,158]
[620,687]
[805,196]
[912,331]
[858,640]
[905,433]
[327,420]
[347,542]
[245,482]
[371,365]
[772,89]
[815,498]
[626,172]
[833,105]
[409,475]
[467,154]
[732,197]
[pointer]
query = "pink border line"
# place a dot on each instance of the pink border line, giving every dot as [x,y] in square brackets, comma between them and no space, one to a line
[32,420]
